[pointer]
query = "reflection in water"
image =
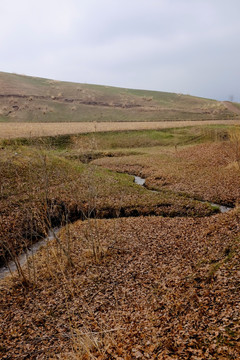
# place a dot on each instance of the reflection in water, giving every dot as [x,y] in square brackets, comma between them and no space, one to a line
[138,180]
[22,259]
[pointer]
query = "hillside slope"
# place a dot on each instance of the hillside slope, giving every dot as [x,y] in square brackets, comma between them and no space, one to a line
[31,99]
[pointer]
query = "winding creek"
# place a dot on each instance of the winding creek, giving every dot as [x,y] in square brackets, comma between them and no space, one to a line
[23,258]
[223,209]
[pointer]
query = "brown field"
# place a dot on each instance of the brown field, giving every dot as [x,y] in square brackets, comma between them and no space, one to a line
[149,274]
[19,130]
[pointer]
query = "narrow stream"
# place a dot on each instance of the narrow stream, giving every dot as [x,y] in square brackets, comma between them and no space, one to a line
[138,180]
[223,209]
[22,259]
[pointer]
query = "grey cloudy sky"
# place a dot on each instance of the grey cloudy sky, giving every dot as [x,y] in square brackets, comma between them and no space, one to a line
[183,46]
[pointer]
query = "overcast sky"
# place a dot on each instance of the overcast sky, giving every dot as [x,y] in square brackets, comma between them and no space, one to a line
[183,46]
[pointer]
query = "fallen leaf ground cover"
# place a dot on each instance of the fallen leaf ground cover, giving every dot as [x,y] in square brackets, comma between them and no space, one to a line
[40,188]
[131,286]
[206,171]
[161,288]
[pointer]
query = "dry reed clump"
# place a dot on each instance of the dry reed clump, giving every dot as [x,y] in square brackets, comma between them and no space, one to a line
[59,254]
[87,345]
[27,209]
[42,212]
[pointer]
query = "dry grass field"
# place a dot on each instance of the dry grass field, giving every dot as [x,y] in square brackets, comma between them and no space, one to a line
[28,130]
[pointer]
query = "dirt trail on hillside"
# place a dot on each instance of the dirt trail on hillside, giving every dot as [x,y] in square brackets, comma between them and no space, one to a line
[231,107]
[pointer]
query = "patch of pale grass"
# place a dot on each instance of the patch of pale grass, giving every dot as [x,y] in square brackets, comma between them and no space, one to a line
[17,130]
[233,165]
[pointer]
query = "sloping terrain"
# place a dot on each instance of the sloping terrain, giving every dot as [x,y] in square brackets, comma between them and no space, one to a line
[31,99]
[232,107]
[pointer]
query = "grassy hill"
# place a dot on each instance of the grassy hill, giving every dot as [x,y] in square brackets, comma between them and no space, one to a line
[31,99]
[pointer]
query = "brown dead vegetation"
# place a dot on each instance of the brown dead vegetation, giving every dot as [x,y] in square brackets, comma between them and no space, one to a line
[205,171]
[39,191]
[163,289]
[15,130]
[145,287]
